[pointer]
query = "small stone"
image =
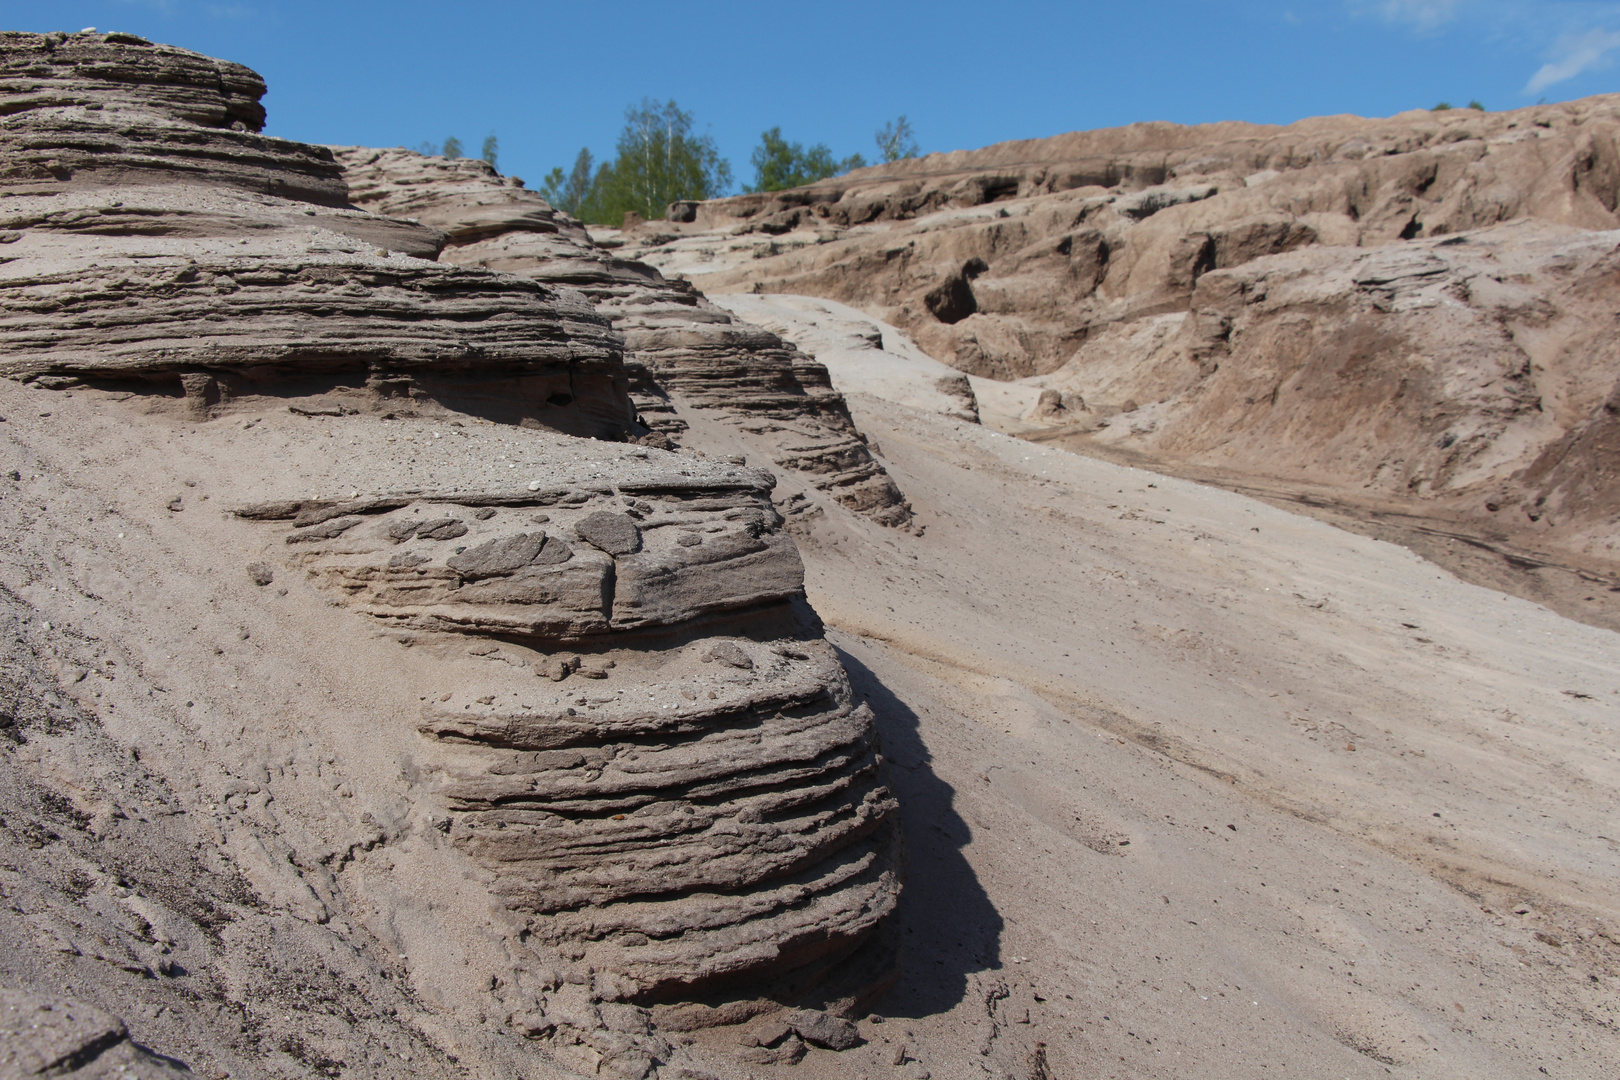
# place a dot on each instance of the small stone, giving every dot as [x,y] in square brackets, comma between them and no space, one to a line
[484,513]
[730,653]
[441,529]
[688,539]
[401,531]
[613,533]
[47,1036]
[260,573]
[326,530]
[824,1029]
[177,504]
[788,1052]
[766,1032]
[499,557]
[558,668]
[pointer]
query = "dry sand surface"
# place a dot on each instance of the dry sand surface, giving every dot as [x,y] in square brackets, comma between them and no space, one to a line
[1192,786]
[1203,788]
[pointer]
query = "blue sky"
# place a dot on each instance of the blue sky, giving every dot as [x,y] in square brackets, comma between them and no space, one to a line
[548,78]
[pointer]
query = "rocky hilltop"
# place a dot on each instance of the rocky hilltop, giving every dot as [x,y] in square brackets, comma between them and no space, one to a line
[569,759]
[684,354]
[1409,318]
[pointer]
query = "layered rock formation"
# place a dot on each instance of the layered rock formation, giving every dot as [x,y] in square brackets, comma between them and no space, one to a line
[1402,312]
[682,352]
[666,788]
[691,810]
[114,109]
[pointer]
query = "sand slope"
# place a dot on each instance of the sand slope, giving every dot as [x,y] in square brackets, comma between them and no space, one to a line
[1209,789]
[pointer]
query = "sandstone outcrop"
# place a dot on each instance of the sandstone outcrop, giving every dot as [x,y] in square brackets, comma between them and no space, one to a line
[685,812]
[863,355]
[682,352]
[662,779]
[1400,312]
[113,110]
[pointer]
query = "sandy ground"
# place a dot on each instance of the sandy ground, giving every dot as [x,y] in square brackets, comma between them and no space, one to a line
[280,728]
[862,354]
[1198,787]
[1193,786]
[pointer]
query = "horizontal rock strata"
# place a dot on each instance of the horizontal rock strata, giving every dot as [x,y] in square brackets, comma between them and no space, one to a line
[214,285]
[666,780]
[678,346]
[214,326]
[115,110]
[682,812]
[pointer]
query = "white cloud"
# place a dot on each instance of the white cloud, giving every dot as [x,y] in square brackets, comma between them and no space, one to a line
[1421,14]
[1574,54]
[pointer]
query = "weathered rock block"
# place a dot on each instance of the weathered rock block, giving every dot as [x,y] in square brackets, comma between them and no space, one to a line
[667,776]
[681,351]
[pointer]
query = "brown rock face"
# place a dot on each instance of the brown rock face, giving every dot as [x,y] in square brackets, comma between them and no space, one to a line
[681,351]
[214,281]
[711,807]
[667,784]
[115,109]
[1389,311]
[124,72]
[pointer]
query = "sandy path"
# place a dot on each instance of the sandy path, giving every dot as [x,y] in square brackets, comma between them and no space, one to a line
[1205,788]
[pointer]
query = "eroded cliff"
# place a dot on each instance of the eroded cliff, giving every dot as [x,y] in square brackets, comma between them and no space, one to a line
[569,763]
[683,353]
[1402,317]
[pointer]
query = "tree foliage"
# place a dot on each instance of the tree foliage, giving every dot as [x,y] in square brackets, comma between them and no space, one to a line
[896,141]
[779,164]
[659,161]
[453,148]
[568,191]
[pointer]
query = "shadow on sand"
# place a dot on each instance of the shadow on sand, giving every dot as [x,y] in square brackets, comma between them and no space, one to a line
[948,926]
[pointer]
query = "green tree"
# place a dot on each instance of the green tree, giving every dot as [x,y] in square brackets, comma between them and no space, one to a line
[452,148]
[779,164]
[896,141]
[492,147]
[567,191]
[1441,106]
[659,161]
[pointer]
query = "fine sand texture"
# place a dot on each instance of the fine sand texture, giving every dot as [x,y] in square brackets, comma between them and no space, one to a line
[1191,786]
[1196,787]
